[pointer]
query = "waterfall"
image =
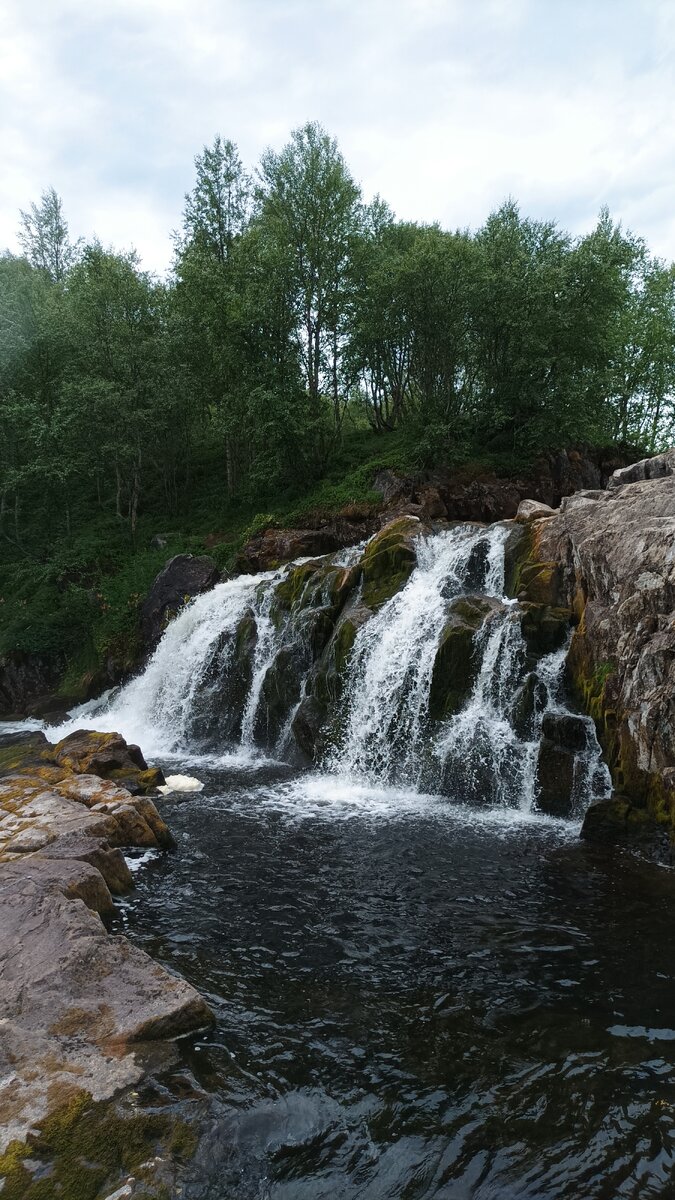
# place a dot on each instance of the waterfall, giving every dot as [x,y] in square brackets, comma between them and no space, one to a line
[393,657]
[237,667]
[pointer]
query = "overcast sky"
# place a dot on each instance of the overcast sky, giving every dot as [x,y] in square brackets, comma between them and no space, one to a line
[444,107]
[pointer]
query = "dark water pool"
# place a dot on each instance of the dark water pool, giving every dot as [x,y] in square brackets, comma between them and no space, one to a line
[413,1001]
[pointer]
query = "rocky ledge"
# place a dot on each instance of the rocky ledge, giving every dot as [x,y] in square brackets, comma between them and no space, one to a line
[609,556]
[82,1012]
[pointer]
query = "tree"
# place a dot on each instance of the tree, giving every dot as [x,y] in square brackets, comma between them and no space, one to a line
[216,210]
[309,204]
[44,237]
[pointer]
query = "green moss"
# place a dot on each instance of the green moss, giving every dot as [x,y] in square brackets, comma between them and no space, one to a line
[86,1145]
[292,587]
[388,561]
[344,642]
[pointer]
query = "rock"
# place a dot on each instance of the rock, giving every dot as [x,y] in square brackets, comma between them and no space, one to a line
[392,486]
[109,756]
[73,1000]
[613,553]
[563,737]
[74,1003]
[26,678]
[532,510]
[617,822]
[183,577]
[389,559]
[107,860]
[657,467]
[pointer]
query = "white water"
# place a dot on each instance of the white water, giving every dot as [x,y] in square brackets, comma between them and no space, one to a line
[180,705]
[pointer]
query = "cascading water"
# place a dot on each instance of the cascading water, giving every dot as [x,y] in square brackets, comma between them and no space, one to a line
[393,657]
[212,679]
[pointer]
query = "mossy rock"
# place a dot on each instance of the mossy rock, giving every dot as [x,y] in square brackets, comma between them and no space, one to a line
[389,560]
[291,588]
[23,751]
[526,576]
[85,1147]
[455,665]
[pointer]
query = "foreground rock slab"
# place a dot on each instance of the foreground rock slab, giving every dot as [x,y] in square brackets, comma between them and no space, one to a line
[79,1009]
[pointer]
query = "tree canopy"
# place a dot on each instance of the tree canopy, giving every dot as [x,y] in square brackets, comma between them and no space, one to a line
[296,313]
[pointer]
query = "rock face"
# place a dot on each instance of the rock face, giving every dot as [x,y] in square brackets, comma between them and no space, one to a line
[24,678]
[75,1003]
[610,557]
[183,577]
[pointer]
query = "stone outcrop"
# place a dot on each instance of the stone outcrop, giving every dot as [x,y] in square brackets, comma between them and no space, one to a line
[79,1008]
[24,678]
[610,557]
[183,577]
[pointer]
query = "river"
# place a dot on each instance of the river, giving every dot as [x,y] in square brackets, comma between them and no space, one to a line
[414,999]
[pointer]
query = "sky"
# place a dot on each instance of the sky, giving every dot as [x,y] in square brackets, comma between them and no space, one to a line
[444,107]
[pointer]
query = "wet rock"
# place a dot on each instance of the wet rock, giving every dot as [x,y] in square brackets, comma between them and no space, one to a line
[307,727]
[544,628]
[617,822]
[183,577]
[389,559]
[455,665]
[563,737]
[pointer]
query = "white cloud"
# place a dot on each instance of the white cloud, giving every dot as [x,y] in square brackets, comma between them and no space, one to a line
[443,106]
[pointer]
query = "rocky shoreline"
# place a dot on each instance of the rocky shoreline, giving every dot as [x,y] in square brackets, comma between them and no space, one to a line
[83,1011]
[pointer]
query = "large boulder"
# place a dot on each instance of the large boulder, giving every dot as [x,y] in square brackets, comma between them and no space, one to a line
[109,756]
[183,577]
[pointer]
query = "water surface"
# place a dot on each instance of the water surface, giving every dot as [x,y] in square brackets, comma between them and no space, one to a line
[414,999]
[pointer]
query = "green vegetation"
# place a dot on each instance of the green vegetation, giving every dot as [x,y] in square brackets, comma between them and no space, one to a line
[303,339]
